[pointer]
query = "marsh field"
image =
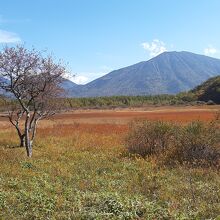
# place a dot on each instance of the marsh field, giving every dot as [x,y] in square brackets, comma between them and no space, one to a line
[81,169]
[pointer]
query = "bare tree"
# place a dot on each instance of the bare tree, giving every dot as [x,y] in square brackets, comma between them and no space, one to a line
[33,82]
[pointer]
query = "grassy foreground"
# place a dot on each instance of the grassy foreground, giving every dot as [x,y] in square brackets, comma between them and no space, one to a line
[84,172]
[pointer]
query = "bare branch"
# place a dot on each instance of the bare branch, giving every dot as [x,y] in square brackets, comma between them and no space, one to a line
[34,83]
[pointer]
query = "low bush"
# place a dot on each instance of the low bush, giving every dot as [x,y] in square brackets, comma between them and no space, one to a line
[196,143]
[149,137]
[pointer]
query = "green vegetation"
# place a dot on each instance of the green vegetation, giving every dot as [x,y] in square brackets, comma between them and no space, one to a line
[209,90]
[119,101]
[130,101]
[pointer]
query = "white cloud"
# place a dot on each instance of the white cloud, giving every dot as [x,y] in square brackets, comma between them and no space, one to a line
[8,37]
[210,51]
[155,47]
[81,80]
[78,79]
[86,77]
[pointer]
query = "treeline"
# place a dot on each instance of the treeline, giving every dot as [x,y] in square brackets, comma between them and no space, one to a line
[130,101]
[124,101]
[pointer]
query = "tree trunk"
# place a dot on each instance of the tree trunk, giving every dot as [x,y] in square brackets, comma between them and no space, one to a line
[22,140]
[28,144]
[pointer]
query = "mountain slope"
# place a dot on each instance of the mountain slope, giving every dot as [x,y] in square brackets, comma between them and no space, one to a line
[71,88]
[168,73]
[209,90]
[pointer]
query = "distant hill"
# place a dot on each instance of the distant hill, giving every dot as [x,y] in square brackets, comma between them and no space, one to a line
[209,90]
[168,73]
[70,88]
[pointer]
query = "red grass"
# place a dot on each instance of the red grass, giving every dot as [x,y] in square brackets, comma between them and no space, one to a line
[69,129]
[166,115]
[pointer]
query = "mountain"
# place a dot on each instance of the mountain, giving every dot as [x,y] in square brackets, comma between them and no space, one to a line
[168,73]
[209,90]
[71,88]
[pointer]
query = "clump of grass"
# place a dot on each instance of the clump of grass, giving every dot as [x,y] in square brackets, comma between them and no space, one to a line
[197,143]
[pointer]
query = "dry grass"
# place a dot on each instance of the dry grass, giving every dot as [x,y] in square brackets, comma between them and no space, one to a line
[123,116]
[82,171]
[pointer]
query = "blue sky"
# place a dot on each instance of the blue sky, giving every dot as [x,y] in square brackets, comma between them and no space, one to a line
[97,36]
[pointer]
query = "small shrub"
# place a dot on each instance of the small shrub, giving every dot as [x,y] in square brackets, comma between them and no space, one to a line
[196,143]
[147,137]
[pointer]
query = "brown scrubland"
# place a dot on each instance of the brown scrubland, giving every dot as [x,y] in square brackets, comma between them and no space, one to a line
[82,169]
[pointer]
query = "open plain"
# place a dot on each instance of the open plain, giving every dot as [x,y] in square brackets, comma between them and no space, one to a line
[81,170]
[124,115]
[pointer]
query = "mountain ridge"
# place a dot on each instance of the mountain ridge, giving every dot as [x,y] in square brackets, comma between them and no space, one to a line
[168,73]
